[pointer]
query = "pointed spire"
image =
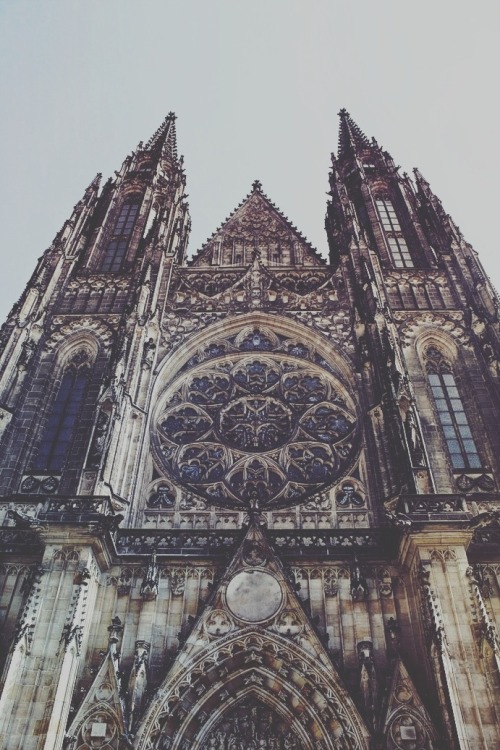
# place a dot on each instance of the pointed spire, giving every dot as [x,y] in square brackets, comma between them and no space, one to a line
[165,137]
[351,137]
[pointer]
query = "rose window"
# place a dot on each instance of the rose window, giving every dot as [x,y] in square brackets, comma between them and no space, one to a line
[252,429]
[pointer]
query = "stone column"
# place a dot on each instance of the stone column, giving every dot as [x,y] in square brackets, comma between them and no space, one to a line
[438,565]
[50,637]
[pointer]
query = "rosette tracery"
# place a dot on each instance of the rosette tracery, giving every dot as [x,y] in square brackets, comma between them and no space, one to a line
[254,428]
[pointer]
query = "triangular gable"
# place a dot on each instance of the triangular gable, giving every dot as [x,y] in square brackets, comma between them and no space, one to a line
[405,718]
[257,228]
[100,717]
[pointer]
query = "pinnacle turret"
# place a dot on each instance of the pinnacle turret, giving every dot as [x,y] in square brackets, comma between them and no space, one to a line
[165,137]
[351,137]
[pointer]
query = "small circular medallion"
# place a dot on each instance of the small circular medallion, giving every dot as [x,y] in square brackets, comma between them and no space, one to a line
[254,595]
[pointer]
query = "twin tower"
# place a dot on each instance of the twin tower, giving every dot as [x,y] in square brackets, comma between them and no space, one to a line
[250,500]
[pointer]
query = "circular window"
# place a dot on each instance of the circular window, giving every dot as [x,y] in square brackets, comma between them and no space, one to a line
[254,595]
[255,429]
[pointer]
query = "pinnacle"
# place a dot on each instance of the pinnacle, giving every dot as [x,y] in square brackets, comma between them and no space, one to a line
[165,137]
[351,137]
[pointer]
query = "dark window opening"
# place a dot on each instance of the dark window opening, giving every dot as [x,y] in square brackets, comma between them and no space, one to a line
[62,420]
[116,248]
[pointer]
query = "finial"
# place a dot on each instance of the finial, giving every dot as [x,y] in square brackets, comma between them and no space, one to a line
[256,186]
[343,112]
[172,116]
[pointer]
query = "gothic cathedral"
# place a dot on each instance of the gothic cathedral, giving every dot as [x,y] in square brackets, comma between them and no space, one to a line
[250,500]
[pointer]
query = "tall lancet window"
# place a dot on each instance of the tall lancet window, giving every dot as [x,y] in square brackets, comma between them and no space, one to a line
[451,412]
[114,255]
[398,248]
[62,420]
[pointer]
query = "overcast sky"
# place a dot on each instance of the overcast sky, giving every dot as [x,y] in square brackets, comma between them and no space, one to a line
[256,86]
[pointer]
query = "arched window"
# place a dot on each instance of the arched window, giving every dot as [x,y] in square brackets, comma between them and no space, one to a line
[116,248]
[398,248]
[56,438]
[451,412]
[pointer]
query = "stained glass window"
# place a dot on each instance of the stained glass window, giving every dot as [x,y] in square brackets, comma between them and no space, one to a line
[62,419]
[116,248]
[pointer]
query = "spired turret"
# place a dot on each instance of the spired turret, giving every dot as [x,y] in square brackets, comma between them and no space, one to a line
[251,498]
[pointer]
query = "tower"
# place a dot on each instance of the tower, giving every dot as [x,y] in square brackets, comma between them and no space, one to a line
[250,499]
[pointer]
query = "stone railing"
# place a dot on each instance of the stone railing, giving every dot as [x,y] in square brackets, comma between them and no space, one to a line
[434,507]
[297,543]
[24,511]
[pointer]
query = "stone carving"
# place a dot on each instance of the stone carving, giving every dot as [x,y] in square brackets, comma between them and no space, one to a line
[432,611]
[177,579]
[484,482]
[290,414]
[163,497]
[348,497]
[218,623]
[393,632]
[138,680]
[359,586]
[65,326]
[149,587]
[407,731]
[39,484]
[72,633]
[253,553]
[254,727]
[98,440]
[25,627]
[451,322]
[148,353]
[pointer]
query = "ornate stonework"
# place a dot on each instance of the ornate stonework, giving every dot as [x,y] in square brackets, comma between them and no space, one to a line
[248,500]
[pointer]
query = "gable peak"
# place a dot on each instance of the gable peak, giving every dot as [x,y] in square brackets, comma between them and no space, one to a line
[257,228]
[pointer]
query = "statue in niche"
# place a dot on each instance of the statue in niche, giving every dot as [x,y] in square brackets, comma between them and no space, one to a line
[27,351]
[98,441]
[148,353]
[413,438]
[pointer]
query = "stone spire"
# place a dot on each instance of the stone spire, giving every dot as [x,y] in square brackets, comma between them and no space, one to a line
[165,138]
[351,137]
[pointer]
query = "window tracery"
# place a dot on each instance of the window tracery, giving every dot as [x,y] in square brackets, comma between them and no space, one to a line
[63,416]
[451,412]
[254,428]
[114,255]
[398,248]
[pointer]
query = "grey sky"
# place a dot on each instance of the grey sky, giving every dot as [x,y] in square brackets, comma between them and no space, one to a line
[256,86]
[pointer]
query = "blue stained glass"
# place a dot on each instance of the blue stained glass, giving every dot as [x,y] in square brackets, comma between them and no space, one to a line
[116,248]
[61,423]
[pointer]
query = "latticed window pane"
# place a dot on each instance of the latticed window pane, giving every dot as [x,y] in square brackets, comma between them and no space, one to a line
[456,430]
[116,248]
[400,253]
[387,215]
[60,426]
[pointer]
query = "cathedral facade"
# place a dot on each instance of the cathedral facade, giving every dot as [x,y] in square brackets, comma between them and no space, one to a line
[250,499]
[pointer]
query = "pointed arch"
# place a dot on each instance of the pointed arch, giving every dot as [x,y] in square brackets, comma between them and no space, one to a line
[449,405]
[63,416]
[71,371]
[213,677]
